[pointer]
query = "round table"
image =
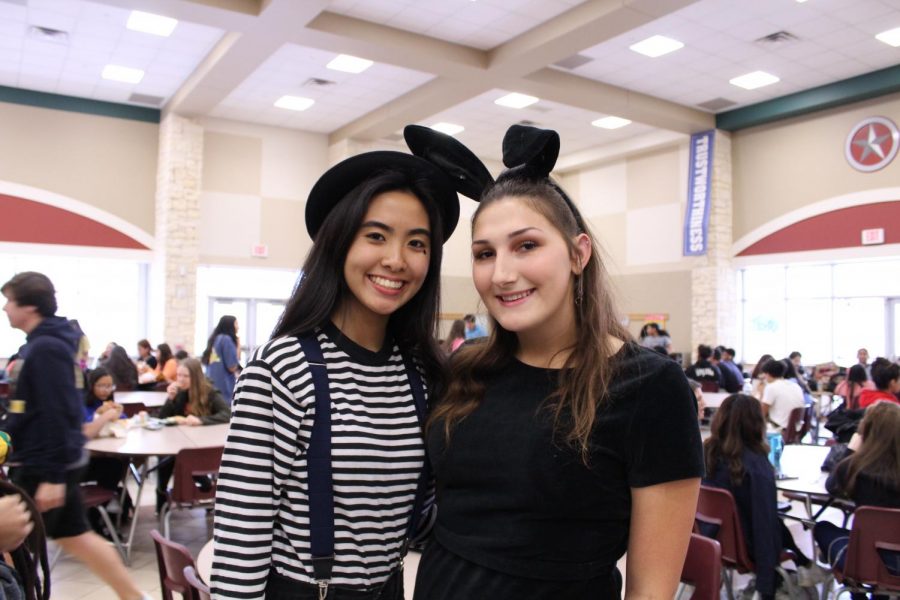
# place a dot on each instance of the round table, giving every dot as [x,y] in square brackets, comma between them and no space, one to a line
[204,561]
[148,399]
[140,443]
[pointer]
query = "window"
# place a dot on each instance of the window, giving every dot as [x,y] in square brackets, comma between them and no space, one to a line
[824,311]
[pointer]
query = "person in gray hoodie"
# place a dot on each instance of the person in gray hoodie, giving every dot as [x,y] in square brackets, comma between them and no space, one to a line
[44,422]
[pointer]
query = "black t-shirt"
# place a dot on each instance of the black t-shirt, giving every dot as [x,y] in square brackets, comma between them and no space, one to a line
[513,500]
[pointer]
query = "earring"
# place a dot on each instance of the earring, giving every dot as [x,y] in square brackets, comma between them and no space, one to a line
[579,289]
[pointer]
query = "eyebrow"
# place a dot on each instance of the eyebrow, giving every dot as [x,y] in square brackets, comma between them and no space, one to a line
[389,229]
[510,236]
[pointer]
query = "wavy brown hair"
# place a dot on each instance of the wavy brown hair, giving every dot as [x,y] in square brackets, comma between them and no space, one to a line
[586,373]
[199,389]
[737,425]
[879,455]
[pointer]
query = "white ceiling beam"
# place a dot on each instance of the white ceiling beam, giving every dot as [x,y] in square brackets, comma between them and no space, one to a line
[593,157]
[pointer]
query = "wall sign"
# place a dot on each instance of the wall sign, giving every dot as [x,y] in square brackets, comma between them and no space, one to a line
[872,144]
[696,219]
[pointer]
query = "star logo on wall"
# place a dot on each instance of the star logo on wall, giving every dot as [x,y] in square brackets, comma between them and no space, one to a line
[872,144]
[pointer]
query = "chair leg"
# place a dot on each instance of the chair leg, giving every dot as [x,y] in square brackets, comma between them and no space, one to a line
[166,517]
[113,532]
[728,582]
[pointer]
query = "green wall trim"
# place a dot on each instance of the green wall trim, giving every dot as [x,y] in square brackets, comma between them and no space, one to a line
[839,93]
[79,105]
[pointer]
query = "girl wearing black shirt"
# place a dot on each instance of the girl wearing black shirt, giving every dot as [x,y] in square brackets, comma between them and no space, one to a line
[560,443]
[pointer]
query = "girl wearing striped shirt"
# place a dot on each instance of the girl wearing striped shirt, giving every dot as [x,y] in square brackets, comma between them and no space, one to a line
[369,297]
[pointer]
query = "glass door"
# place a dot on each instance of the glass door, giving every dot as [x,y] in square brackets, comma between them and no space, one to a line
[219,307]
[892,333]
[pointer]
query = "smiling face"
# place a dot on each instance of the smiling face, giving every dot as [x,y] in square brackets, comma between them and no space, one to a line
[523,270]
[183,377]
[387,262]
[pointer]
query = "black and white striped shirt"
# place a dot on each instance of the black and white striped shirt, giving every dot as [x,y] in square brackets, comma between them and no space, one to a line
[262,518]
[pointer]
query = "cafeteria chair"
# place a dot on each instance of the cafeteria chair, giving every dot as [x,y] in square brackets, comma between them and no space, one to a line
[171,559]
[702,568]
[95,496]
[200,589]
[133,408]
[798,425]
[874,544]
[194,483]
[716,510]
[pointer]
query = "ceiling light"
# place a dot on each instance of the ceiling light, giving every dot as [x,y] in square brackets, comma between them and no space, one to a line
[448,128]
[123,74]
[756,79]
[610,122]
[150,23]
[891,37]
[516,100]
[294,102]
[656,46]
[349,64]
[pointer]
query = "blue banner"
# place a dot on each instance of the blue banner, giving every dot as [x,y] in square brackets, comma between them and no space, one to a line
[696,220]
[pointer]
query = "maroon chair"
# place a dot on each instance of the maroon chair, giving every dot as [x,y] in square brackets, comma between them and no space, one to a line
[703,567]
[875,530]
[716,507]
[709,386]
[133,408]
[194,485]
[171,559]
[94,496]
[200,588]
[798,425]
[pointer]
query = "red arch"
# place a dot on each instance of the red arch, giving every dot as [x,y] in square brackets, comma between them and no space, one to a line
[31,222]
[835,229]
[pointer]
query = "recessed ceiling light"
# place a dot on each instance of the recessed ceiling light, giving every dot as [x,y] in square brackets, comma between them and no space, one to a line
[756,79]
[610,122]
[349,64]
[656,46]
[150,23]
[891,37]
[123,74]
[448,128]
[294,102]
[516,100]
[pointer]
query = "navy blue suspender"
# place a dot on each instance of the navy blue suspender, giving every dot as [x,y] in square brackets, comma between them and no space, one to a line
[321,481]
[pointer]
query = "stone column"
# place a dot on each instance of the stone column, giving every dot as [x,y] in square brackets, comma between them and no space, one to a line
[713,280]
[178,182]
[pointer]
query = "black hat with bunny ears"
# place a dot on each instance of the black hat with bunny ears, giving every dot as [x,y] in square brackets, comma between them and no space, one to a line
[447,165]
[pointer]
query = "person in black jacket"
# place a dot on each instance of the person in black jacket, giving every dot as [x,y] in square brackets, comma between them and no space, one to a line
[45,424]
[870,476]
[192,401]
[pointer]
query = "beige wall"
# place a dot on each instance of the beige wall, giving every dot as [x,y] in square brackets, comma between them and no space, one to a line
[255,183]
[106,162]
[659,292]
[789,164]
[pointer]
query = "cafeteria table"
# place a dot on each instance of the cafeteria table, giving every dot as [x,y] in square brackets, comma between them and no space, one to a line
[141,443]
[149,399]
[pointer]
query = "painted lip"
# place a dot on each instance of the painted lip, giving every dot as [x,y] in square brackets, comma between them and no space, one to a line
[514,298]
[385,289]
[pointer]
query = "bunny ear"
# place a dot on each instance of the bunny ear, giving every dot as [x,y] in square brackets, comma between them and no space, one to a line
[534,149]
[469,175]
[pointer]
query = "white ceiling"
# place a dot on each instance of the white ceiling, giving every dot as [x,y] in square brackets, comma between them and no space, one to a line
[447,60]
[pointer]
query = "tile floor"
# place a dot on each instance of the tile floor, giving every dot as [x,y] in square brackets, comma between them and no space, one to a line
[71,581]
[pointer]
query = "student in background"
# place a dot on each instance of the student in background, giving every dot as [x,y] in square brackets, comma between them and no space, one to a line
[886,377]
[852,387]
[870,475]
[473,329]
[221,356]
[456,337]
[736,456]
[167,365]
[704,369]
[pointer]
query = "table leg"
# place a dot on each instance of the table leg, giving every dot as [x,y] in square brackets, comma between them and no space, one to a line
[140,476]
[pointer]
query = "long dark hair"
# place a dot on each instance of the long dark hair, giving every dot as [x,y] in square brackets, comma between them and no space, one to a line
[585,377]
[757,370]
[879,455]
[856,380]
[322,288]
[33,551]
[90,399]
[224,327]
[165,354]
[737,425]
[123,371]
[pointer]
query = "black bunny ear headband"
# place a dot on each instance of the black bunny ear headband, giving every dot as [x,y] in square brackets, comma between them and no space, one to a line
[528,152]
